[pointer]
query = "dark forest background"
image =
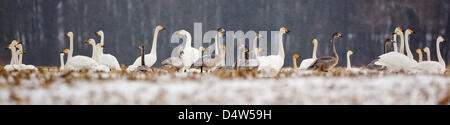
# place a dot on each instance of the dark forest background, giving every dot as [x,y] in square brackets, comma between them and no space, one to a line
[41,24]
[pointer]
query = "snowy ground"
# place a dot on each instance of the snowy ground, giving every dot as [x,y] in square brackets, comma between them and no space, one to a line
[52,87]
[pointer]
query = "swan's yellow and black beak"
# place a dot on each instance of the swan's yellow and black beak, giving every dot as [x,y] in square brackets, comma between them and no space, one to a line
[101,45]
[401,29]
[296,56]
[418,51]
[221,34]
[98,33]
[412,32]
[351,52]
[443,40]
[162,28]
[21,52]
[8,47]
[65,51]
[286,30]
[87,41]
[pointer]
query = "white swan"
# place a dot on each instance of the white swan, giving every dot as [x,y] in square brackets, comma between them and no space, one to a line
[427,51]
[273,63]
[408,51]
[349,65]
[61,58]
[419,53]
[13,61]
[395,61]
[80,62]
[20,65]
[190,54]
[106,59]
[151,58]
[431,66]
[308,62]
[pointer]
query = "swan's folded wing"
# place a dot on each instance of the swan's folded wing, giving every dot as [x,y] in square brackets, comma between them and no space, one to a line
[307,63]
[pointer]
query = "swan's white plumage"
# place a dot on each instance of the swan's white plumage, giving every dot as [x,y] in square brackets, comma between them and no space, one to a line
[427,67]
[395,61]
[306,63]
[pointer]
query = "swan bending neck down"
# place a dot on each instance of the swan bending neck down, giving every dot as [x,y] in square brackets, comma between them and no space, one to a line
[308,62]
[427,51]
[327,62]
[431,66]
[152,57]
[272,64]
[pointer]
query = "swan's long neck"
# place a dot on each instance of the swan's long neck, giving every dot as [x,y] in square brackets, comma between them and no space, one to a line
[142,56]
[395,43]
[280,46]
[428,55]
[69,56]
[408,51]
[188,40]
[20,55]
[314,56]
[13,56]
[61,57]
[102,39]
[438,51]
[155,41]
[255,49]
[334,48]
[420,56]
[216,46]
[294,63]
[402,42]
[349,65]
[94,50]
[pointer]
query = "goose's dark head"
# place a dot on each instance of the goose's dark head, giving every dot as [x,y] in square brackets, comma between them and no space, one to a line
[337,34]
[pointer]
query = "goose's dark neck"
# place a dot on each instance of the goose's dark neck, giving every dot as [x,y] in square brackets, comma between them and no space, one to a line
[334,48]
[142,55]
[385,46]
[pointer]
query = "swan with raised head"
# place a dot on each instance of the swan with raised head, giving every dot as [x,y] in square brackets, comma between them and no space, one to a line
[349,65]
[408,32]
[308,62]
[190,54]
[431,66]
[20,65]
[61,58]
[106,59]
[152,57]
[327,62]
[372,65]
[13,62]
[80,62]
[395,61]
[427,51]
[294,61]
[273,63]
[419,53]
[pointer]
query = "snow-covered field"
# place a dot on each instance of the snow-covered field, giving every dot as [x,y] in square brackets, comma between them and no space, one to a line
[52,87]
